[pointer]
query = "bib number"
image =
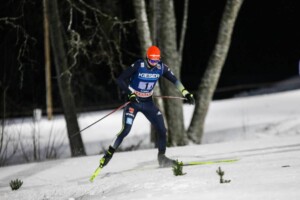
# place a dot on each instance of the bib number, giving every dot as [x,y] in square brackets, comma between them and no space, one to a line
[146,85]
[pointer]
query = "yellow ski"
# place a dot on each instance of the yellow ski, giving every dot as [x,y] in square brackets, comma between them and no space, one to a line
[98,170]
[95,174]
[209,162]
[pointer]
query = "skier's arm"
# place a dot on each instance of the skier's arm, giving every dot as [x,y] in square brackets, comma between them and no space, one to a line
[122,80]
[168,74]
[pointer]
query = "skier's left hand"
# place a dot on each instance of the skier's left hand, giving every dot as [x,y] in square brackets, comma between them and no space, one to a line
[190,98]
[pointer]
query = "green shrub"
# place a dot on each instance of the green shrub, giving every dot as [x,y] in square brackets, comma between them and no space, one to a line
[177,168]
[15,184]
[221,174]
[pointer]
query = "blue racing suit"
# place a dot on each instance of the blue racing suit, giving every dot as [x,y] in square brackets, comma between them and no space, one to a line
[141,80]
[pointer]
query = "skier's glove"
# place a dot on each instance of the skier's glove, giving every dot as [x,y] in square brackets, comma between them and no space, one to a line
[133,98]
[190,98]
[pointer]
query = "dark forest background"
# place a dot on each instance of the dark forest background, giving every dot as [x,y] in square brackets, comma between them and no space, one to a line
[265,49]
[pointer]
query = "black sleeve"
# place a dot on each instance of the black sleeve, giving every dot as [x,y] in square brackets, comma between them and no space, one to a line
[168,74]
[124,78]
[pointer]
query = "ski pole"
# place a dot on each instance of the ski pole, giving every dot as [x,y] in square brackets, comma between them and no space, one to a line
[120,107]
[169,97]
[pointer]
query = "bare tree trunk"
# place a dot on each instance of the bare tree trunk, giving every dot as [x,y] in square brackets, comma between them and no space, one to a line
[146,41]
[183,30]
[173,109]
[64,79]
[3,117]
[213,71]
[142,25]
[47,62]
[154,16]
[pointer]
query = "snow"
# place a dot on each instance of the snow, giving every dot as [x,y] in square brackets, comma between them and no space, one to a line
[262,132]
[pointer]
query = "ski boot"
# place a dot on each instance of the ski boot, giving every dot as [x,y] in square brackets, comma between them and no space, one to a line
[107,156]
[164,161]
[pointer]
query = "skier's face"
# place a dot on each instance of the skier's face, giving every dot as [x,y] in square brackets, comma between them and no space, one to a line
[153,63]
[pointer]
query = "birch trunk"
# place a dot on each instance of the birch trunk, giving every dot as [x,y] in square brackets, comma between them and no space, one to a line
[211,75]
[64,79]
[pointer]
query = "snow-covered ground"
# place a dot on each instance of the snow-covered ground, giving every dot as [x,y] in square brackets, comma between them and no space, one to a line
[262,132]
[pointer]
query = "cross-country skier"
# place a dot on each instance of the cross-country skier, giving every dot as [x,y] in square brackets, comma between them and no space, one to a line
[142,77]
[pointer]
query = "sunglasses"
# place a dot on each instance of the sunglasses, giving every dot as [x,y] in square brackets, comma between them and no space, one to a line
[153,61]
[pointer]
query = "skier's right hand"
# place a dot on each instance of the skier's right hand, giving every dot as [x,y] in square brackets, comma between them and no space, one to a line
[133,98]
